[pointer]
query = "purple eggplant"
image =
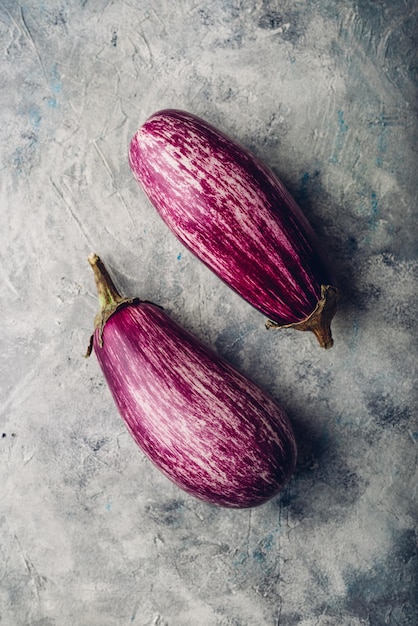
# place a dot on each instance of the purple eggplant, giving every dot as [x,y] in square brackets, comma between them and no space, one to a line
[231,211]
[202,423]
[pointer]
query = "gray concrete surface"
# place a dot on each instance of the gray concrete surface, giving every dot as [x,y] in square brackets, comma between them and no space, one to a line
[326,94]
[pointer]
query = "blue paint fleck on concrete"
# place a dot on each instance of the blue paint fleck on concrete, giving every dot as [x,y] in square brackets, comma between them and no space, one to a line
[342,125]
[380,129]
[35,117]
[342,130]
[304,185]
[55,85]
[261,554]
[310,184]
[55,82]
[374,203]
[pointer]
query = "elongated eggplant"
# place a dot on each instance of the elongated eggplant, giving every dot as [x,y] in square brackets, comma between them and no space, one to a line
[202,423]
[230,210]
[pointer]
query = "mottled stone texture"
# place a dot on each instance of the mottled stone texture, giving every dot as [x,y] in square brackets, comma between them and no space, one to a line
[325,93]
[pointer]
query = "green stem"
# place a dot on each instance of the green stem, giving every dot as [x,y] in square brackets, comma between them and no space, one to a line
[109,297]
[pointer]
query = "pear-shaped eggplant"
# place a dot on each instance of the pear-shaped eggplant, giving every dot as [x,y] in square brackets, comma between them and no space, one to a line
[208,428]
[231,211]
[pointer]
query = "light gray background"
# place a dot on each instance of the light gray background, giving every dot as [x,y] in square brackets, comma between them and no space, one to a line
[325,93]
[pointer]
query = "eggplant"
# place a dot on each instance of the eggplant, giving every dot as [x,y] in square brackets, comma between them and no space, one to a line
[207,427]
[229,209]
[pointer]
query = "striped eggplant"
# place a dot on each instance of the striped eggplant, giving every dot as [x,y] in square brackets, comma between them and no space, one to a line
[202,423]
[230,210]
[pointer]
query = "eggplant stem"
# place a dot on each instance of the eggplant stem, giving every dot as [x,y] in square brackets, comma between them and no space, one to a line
[319,321]
[108,294]
[110,299]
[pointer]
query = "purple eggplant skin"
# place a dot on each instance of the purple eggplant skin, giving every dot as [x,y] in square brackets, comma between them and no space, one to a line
[230,210]
[207,427]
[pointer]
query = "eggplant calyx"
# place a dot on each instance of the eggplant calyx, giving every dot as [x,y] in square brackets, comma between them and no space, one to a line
[319,321]
[110,299]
